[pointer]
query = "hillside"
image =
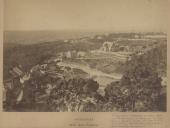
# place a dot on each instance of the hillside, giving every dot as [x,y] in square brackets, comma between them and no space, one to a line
[29,55]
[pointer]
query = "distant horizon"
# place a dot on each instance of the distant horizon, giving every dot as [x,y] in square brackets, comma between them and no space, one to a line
[31,37]
[86,30]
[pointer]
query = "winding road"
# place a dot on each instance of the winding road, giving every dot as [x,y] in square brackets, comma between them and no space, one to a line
[91,71]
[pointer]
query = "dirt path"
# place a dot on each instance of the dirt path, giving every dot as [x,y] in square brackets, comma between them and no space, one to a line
[91,71]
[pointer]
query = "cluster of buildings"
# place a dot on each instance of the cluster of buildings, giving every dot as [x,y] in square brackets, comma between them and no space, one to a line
[115,46]
[71,54]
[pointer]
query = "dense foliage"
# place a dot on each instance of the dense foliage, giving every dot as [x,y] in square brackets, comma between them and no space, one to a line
[138,90]
[140,87]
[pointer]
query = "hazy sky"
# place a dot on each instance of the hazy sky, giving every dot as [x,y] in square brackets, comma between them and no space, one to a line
[111,15]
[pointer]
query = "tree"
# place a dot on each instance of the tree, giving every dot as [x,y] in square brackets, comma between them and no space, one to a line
[142,83]
[90,86]
[114,97]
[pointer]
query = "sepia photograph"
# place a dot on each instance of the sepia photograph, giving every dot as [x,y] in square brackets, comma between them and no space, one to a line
[85,56]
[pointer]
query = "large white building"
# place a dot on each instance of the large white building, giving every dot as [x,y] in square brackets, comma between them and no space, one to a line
[106,47]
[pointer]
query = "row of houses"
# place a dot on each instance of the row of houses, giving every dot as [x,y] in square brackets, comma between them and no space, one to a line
[114,47]
[108,46]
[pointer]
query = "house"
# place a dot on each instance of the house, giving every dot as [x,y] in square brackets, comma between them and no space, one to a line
[81,54]
[16,72]
[68,54]
[106,47]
